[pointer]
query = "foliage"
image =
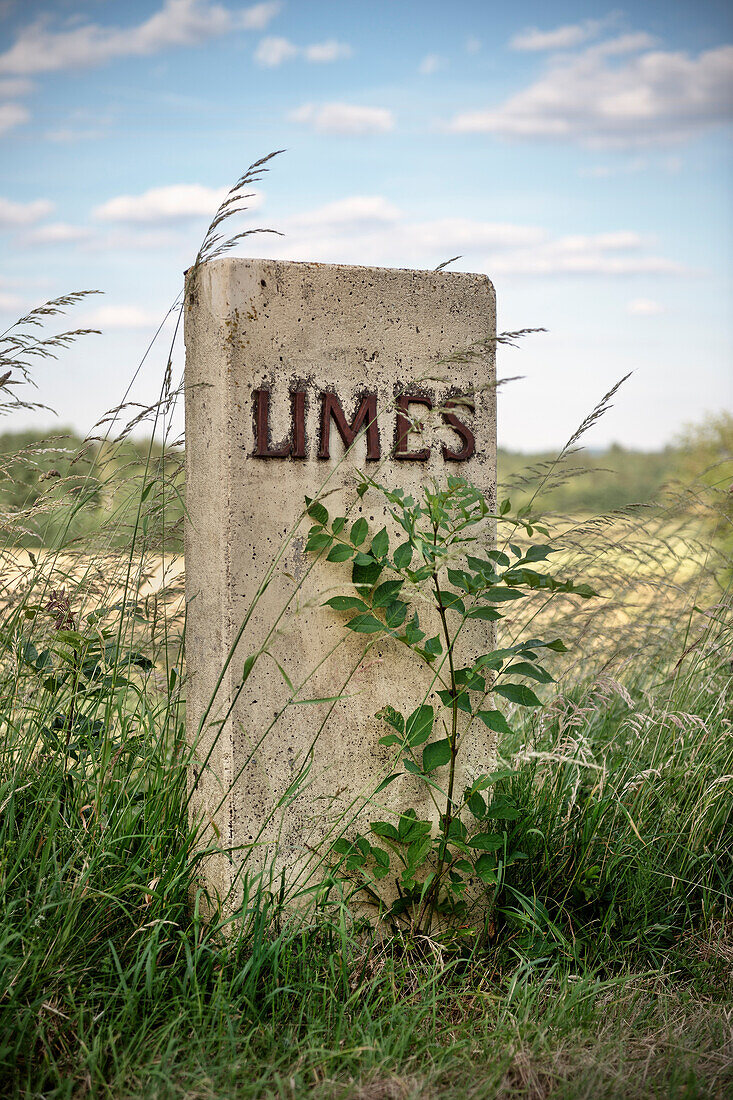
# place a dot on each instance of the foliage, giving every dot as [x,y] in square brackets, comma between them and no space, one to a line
[434,865]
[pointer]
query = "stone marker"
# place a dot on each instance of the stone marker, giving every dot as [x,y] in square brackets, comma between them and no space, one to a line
[287,364]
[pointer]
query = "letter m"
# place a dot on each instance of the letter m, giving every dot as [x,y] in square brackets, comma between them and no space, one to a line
[365,415]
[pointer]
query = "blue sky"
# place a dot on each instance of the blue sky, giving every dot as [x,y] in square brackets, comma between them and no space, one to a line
[579,154]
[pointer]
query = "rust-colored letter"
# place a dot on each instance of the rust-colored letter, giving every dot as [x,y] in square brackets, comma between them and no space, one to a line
[262,429]
[469,442]
[403,425]
[297,402]
[365,414]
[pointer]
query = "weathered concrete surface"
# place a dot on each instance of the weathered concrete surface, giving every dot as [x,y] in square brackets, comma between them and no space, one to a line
[261,325]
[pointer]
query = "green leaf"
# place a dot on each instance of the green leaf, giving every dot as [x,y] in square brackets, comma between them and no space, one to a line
[365,624]
[488,614]
[480,565]
[346,603]
[386,782]
[386,592]
[436,754]
[583,590]
[365,572]
[487,842]
[476,804]
[402,555]
[384,829]
[498,556]
[506,506]
[486,869]
[413,633]
[535,672]
[396,613]
[318,542]
[359,531]
[381,858]
[462,700]
[380,544]
[419,725]
[339,553]
[390,739]
[538,553]
[494,720]
[417,851]
[557,646]
[342,846]
[501,595]
[411,827]
[502,811]
[460,579]
[518,693]
[393,717]
[248,666]
[318,512]
[338,524]
[433,646]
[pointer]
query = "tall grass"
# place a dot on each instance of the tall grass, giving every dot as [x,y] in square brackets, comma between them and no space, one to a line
[605,970]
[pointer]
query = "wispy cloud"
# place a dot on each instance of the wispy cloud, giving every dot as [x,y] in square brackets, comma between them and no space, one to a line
[39,47]
[10,302]
[430,64]
[644,307]
[14,214]
[273,51]
[160,205]
[561,38]
[344,118]
[616,93]
[369,229]
[123,317]
[57,233]
[15,86]
[12,114]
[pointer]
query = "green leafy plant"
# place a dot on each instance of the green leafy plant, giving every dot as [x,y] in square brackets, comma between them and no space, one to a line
[79,673]
[446,552]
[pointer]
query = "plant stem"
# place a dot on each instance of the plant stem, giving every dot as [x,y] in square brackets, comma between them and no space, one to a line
[432,897]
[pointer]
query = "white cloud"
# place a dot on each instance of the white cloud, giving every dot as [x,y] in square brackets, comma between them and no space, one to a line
[15,86]
[273,51]
[598,100]
[57,233]
[357,211]
[10,302]
[344,118]
[259,16]
[12,114]
[177,202]
[430,64]
[13,214]
[39,48]
[562,38]
[369,229]
[330,50]
[66,135]
[644,307]
[670,165]
[119,317]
